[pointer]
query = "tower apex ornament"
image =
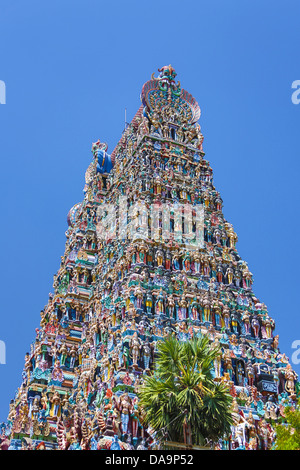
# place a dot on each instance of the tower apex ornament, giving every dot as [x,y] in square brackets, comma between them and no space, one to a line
[166,79]
[167,71]
[161,93]
[170,112]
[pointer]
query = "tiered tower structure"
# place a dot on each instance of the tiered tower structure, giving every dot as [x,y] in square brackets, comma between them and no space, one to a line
[148,253]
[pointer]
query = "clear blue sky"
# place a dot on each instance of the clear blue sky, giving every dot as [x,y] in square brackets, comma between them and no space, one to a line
[72,67]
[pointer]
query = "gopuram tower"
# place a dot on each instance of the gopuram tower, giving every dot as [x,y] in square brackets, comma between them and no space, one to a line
[148,253]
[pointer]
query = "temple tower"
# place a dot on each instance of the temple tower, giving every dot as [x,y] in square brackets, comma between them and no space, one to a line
[148,253]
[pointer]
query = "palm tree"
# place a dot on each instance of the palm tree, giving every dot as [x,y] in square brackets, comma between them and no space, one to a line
[182,398]
[288,431]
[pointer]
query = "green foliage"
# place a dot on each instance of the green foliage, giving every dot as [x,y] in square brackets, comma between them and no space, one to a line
[288,433]
[182,391]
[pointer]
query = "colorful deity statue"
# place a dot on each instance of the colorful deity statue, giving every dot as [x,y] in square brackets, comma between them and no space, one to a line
[291,378]
[159,304]
[125,409]
[182,312]
[149,303]
[171,306]
[206,308]
[175,261]
[135,347]
[55,401]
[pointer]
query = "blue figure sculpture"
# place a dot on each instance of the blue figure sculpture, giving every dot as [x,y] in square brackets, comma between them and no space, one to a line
[93,443]
[65,320]
[115,443]
[104,163]
[75,446]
